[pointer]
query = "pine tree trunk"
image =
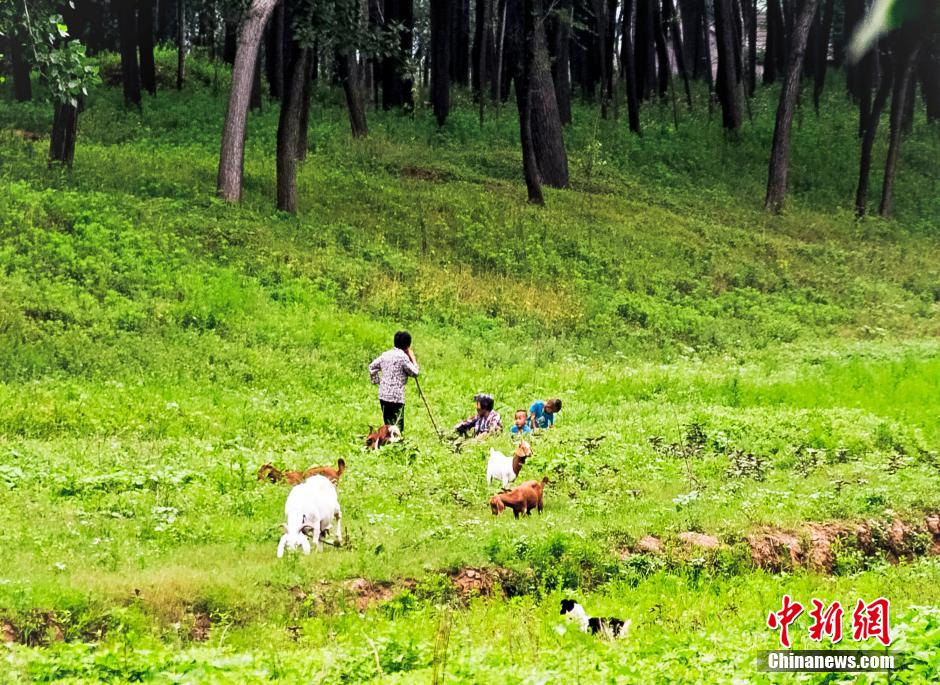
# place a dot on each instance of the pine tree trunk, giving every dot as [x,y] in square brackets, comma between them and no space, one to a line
[693,37]
[644,49]
[545,124]
[64,132]
[929,73]
[600,31]
[288,131]
[255,102]
[460,42]
[629,68]
[275,49]
[560,48]
[305,103]
[707,48]
[822,53]
[396,84]
[441,25]
[347,73]
[483,56]
[180,43]
[523,40]
[751,6]
[870,130]
[774,45]
[662,54]
[780,151]
[903,80]
[22,85]
[130,71]
[148,68]
[671,23]
[232,155]
[726,82]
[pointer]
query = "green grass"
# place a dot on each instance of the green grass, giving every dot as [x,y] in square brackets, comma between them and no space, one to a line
[157,346]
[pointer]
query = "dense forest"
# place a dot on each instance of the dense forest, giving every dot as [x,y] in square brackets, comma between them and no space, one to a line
[399,54]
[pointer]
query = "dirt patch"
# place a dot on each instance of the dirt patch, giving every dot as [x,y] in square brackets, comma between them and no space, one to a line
[423,173]
[27,135]
[474,581]
[699,540]
[774,550]
[201,627]
[650,544]
[365,592]
[7,633]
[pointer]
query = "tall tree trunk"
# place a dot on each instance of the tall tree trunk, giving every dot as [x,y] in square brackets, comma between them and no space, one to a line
[441,28]
[629,68]
[288,131]
[232,155]
[822,53]
[180,43]
[523,40]
[671,23]
[482,40]
[483,56]
[499,78]
[929,73]
[780,151]
[726,83]
[751,6]
[775,45]
[22,86]
[64,132]
[130,71]
[396,83]
[853,13]
[255,102]
[164,19]
[558,28]
[460,42]
[662,54]
[347,73]
[600,30]
[870,131]
[693,37]
[545,122]
[230,39]
[148,68]
[645,49]
[275,49]
[907,48]
[707,48]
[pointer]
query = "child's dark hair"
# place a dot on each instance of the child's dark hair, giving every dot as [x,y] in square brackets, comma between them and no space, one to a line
[520,411]
[556,403]
[486,401]
[403,340]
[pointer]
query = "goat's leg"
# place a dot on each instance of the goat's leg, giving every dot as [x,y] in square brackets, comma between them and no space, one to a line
[339,527]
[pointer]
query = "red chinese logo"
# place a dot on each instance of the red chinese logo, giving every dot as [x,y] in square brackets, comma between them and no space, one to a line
[872,620]
[828,622]
[781,620]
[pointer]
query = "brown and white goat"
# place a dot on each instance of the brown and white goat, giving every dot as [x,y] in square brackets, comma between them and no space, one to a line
[383,436]
[505,469]
[522,499]
[271,473]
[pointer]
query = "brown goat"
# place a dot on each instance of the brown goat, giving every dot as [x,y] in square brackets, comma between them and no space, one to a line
[521,499]
[382,436]
[271,473]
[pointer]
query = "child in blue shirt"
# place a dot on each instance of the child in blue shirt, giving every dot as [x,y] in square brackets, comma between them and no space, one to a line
[542,413]
[520,426]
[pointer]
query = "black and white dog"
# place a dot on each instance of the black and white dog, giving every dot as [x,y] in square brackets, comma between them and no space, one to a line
[609,626]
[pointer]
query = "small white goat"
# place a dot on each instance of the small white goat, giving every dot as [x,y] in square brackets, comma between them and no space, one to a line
[501,467]
[311,505]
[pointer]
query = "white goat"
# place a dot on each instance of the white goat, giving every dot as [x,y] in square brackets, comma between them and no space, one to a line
[311,505]
[501,467]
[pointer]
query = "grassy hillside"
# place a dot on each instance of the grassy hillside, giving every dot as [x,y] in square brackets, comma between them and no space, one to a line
[723,372]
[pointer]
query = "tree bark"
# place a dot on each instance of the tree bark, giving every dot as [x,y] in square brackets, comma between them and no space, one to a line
[232,155]
[483,56]
[780,151]
[726,83]
[751,47]
[929,73]
[775,46]
[275,49]
[644,49]
[524,48]
[255,102]
[460,42]
[545,124]
[305,104]
[671,23]
[288,131]
[870,129]
[130,71]
[441,24]
[629,68]
[903,80]
[64,132]
[822,53]
[662,54]
[853,13]
[693,36]
[180,43]
[148,68]
[396,84]
[22,85]
[347,72]
[600,31]
[707,48]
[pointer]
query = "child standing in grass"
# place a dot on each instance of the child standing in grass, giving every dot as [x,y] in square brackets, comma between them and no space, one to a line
[542,413]
[520,424]
[390,372]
